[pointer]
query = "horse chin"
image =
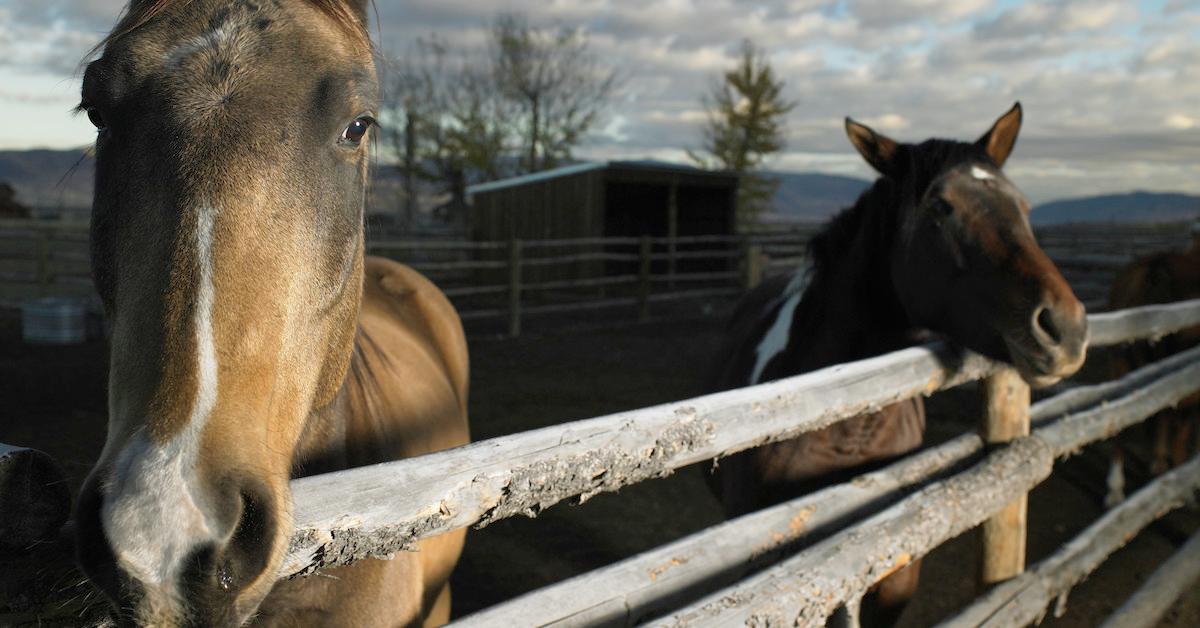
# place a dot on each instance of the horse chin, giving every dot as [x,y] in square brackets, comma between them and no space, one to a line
[1035,372]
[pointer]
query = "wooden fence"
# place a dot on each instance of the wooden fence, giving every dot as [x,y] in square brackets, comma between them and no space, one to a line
[906,509]
[503,284]
[725,574]
[42,258]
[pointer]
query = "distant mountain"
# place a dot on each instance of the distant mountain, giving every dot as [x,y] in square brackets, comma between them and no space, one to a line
[812,196]
[48,180]
[55,182]
[1131,207]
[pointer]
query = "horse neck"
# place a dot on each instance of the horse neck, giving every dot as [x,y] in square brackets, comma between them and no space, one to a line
[323,445]
[852,310]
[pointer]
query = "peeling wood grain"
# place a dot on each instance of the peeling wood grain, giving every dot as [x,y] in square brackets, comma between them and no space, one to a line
[648,584]
[397,503]
[1149,322]
[807,588]
[1023,600]
[1005,417]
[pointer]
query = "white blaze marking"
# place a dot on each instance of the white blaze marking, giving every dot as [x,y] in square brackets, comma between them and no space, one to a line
[981,174]
[776,338]
[226,32]
[153,513]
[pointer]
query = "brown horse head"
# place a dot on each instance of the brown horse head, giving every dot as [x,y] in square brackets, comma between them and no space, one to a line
[227,242]
[965,261]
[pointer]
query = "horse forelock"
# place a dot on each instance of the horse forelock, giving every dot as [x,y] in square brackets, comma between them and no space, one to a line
[138,14]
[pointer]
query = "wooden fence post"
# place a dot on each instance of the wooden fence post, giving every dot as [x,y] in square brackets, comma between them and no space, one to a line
[43,262]
[1005,417]
[514,287]
[753,266]
[644,250]
[672,232]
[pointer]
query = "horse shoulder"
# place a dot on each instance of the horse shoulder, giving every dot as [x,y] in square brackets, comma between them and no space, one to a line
[410,370]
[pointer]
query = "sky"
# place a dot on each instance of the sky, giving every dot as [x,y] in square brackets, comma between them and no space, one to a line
[1111,89]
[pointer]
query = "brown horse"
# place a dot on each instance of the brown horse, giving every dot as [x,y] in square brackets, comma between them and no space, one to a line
[252,342]
[941,242]
[1159,278]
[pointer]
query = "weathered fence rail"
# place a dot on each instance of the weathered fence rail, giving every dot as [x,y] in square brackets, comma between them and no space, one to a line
[524,473]
[910,507]
[650,583]
[1024,599]
[1177,576]
[506,282]
[808,587]
[358,513]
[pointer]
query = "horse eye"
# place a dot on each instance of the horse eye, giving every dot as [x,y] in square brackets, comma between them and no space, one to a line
[357,129]
[95,118]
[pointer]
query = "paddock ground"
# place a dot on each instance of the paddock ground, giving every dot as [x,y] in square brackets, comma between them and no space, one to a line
[52,398]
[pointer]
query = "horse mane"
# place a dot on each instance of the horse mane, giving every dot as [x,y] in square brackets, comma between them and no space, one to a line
[876,214]
[921,163]
[137,15]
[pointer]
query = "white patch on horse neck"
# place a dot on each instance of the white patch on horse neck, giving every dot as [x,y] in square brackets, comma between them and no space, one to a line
[981,174]
[776,338]
[155,512]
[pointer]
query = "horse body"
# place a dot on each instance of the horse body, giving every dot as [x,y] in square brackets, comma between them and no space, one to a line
[252,341]
[405,394]
[939,243]
[1159,278]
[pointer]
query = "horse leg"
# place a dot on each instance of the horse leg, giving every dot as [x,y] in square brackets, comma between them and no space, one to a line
[1162,425]
[886,601]
[439,613]
[1182,438]
[1194,418]
[1116,477]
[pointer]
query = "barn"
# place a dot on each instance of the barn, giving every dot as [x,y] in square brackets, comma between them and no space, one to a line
[605,199]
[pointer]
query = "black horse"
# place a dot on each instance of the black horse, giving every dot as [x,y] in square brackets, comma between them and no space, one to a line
[941,242]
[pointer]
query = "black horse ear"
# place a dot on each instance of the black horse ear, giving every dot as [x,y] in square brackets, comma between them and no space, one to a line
[879,150]
[999,141]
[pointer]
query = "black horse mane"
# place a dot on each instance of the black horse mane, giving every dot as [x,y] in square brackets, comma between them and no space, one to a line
[920,165]
[876,216]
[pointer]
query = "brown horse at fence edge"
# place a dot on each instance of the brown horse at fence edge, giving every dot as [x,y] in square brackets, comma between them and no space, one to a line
[941,242]
[1159,278]
[252,341]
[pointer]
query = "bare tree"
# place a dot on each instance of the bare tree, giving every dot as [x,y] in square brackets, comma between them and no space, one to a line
[444,119]
[557,82]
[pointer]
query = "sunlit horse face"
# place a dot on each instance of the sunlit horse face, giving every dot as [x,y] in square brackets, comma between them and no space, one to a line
[967,263]
[227,244]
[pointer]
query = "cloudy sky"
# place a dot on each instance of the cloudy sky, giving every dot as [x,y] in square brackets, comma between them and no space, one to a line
[1111,89]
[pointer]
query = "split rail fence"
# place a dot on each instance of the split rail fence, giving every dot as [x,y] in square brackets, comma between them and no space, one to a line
[503,284]
[902,511]
[805,560]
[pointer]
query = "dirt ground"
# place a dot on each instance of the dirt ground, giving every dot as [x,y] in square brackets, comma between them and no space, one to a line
[52,398]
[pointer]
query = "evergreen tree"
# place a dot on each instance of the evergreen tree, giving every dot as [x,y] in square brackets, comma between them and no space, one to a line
[746,112]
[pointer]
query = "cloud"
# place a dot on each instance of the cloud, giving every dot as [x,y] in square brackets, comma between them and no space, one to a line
[1111,88]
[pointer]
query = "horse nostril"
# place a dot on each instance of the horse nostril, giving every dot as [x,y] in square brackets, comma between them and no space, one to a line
[248,553]
[1044,321]
[225,577]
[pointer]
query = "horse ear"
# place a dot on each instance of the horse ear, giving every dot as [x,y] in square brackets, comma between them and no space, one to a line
[998,142]
[878,150]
